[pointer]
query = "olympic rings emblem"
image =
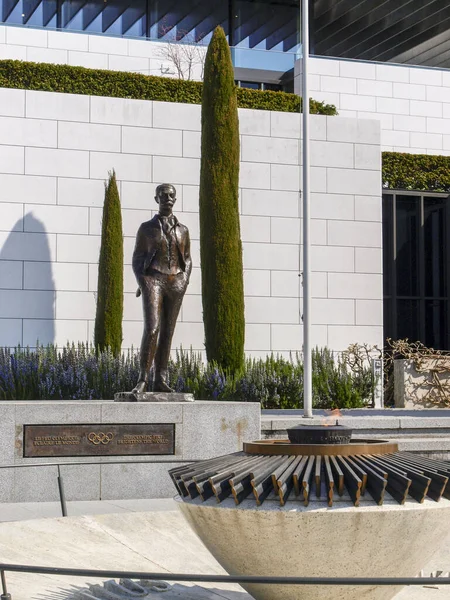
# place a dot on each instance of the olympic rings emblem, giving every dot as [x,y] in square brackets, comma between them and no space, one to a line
[100,438]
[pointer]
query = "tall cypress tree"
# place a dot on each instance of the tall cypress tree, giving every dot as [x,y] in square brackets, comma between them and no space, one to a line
[220,239]
[108,318]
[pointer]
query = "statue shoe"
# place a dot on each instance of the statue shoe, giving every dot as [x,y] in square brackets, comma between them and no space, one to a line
[140,387]
[161,386]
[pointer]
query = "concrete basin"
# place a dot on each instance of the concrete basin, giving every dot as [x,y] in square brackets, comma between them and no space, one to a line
[320,541]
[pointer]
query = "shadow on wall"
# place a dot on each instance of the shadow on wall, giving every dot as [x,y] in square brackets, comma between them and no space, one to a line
[27,288]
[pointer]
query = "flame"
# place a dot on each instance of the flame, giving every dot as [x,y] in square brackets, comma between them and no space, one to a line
[331,418]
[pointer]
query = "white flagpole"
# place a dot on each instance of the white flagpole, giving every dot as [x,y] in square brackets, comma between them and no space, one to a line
[307,356]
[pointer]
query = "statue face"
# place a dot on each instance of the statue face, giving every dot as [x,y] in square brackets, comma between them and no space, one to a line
[166,196]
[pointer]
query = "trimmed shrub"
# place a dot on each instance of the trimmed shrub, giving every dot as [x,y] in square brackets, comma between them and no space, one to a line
[421,172]
[220,236]
[99,82]
[280,101]
[108,318]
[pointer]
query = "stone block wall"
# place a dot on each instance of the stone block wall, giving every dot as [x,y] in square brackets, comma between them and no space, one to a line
[89,50]
[222,427]
[422,383]
[411,102]
[57,150]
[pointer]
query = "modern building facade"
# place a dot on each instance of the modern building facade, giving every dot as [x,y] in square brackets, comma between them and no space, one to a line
[412,105]
[263,33]
[57,151]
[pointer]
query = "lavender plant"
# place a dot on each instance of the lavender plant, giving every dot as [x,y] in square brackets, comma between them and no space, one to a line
[77,372]
[70,373]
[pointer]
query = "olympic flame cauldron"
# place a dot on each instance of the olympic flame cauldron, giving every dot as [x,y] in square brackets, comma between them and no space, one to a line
[302,507]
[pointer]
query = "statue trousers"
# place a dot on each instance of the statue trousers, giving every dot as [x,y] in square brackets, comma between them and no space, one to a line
[162,296]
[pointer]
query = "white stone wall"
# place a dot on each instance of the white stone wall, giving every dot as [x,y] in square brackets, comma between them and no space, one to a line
[56,151]
[412,103]
[92,51]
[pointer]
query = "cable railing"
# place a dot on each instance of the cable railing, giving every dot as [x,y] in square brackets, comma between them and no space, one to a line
[60,481]
[201,578]
[188,577]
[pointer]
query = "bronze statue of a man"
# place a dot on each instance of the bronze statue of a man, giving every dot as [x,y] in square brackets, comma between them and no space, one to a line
[162,265]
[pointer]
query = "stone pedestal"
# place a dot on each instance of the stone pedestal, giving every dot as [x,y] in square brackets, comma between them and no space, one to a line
[153,397]
[201,430]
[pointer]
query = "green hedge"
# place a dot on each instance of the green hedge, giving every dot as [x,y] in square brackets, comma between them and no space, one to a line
[280,101]
[421,172]
[98,82]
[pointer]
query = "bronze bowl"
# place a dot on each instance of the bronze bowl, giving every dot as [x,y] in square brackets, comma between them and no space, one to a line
[319,434]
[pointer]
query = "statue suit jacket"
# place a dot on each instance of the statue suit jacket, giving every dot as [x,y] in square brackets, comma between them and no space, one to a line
[148,240]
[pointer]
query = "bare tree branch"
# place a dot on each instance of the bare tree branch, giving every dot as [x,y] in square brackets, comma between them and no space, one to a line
[184,56]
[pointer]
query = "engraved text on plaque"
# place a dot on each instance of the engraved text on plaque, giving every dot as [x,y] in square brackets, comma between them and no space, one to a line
[125,439]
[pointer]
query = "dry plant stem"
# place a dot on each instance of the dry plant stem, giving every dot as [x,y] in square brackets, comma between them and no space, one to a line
[436,380]
[437,372]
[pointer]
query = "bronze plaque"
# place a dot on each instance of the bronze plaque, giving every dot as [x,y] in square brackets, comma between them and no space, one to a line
[126,439]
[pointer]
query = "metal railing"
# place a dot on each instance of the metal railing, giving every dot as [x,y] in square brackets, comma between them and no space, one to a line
[240,579]
[199,578]
[60,481]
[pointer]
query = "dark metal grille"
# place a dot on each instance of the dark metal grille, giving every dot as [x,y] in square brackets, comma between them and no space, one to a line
[266,477]
[416,267]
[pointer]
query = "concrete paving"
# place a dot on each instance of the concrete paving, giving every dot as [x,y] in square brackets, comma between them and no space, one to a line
[114,535]
[140,535]
[22,511]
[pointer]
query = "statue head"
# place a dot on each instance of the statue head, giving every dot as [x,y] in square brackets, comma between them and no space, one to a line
[166,196]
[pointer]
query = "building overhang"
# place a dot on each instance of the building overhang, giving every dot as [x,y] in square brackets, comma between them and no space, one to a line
[403,31]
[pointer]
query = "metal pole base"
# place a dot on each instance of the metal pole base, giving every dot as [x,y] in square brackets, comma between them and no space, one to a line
[5,597]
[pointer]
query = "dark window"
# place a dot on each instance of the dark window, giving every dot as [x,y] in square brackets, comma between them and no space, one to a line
[388,230]
[436,326]
[190,21]
[273,87]
[407,245]
[253,85]
[416,265]
[266,25]
[29,12]
[289,86]
[269,28]
[114,17]
[260,85]
[408,319]
[434,242]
